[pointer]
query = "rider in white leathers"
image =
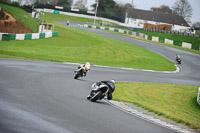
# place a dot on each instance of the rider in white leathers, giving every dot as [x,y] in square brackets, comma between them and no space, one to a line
[85,68]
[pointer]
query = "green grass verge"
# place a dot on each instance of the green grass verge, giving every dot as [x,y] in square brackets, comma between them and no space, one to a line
[22,16]
[16,57]
[74,45]
[176,102]
[198,32]
[50,17]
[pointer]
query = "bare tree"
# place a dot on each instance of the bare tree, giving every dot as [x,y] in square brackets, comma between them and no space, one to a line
[162,8]
[80,4]
[196,25]
[20,2]
[184,9]
[128,5]
[52,2]
[24,2]
[122,8]
[65,3]
[28,2]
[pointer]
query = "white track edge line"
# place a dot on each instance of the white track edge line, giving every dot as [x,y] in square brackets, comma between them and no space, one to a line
[146,117]
[131,69]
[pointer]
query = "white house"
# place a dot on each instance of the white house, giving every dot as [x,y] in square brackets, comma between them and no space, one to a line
[136,18]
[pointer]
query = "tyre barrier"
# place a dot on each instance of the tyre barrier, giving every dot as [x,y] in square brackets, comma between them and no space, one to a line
[143,36]
[198,97]
[27,36]
[186,45]
[155,39]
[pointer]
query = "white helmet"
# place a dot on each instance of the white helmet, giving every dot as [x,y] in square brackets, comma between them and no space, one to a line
[87,66]
[112,80]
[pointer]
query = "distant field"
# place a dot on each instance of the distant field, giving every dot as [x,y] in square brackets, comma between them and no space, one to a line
[22,16]
[50,17]
[175,102]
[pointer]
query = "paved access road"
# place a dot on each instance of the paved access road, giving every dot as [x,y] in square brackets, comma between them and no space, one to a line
[43,97]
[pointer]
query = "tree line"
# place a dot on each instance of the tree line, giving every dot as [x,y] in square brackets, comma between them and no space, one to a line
[110,8]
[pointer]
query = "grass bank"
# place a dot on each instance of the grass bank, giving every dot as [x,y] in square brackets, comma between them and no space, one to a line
[176,102]
[22,16]
[198,32]
[74,45]
[50,17]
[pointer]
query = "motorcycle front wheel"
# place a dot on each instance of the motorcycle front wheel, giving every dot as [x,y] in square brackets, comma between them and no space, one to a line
[77,75]
[96,96]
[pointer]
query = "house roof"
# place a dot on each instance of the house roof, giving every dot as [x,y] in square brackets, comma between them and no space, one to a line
[157,16]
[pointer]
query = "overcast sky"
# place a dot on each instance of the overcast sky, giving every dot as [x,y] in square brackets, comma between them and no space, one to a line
[147,4]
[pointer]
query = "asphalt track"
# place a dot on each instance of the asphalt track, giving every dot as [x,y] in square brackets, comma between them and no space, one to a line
[43,97]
